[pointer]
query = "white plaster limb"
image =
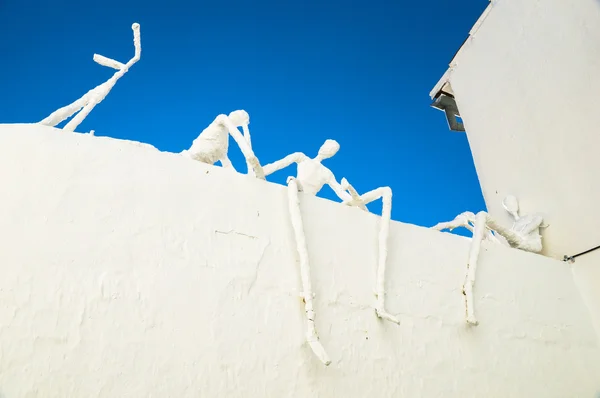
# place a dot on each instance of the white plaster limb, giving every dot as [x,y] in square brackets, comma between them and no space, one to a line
[524,235]
[478,231]
[310,179]
[296,217]
[465,220]
[86,104]
[241,118]
[212,145]
[385,193]
[356,199]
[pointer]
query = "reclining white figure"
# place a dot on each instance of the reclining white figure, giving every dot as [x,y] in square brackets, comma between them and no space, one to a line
[213,143]
[85,104]
[524,235]
[310,178]
[385,193]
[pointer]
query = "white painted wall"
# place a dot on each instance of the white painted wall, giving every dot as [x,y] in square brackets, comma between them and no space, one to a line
[526,83]
[130,272]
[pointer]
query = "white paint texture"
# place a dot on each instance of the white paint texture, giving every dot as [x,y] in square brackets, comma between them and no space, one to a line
[130,272]
[526,84]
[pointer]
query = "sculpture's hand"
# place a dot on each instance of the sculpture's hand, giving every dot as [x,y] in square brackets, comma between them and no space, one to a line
[355,199]
[345,184]
[258,170]
[443,225]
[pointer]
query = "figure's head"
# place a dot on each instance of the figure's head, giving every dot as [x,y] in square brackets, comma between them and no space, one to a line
[239,118]
[511,204]
[328,149]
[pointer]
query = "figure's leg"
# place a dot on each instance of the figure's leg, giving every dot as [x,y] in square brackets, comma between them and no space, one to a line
[385,194]
[478,235]
[85,104]
[67,111]
[296,217]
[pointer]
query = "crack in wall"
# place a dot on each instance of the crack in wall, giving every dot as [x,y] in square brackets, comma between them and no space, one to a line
[236,233]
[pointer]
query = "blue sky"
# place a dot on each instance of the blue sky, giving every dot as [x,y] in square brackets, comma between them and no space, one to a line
[357,72]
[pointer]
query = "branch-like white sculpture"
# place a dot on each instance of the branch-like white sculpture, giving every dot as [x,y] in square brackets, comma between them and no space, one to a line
[523,235]
[310,178]
[385,193]
[85,104]
[213,143]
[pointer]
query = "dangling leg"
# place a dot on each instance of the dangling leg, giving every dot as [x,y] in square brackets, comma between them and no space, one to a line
[296,217]
[385,194]
[478,235]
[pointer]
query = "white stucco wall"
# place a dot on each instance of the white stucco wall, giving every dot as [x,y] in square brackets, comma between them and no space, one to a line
[125,271]
[526,83]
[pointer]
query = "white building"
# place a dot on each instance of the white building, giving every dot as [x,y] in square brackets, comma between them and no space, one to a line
[126,271]
[526,85]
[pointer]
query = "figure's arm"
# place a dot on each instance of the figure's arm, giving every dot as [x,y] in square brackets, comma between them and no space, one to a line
[356,200]
[295,157]
[251,158]
[462,220]
[535,223]
[338,189]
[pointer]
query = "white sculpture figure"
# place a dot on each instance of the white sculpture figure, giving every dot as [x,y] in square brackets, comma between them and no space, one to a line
[524,235]
[85,104]
[213,143]
[310,178]
[385,193]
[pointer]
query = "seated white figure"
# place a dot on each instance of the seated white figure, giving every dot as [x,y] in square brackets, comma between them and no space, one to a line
[310,178]
[524,235]
[213,143]
[311,175]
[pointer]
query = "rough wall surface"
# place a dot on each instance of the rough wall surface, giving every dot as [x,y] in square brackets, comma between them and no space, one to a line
[127,272]
[527,85]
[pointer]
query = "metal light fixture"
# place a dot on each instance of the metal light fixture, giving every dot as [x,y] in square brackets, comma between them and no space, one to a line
[446,103]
